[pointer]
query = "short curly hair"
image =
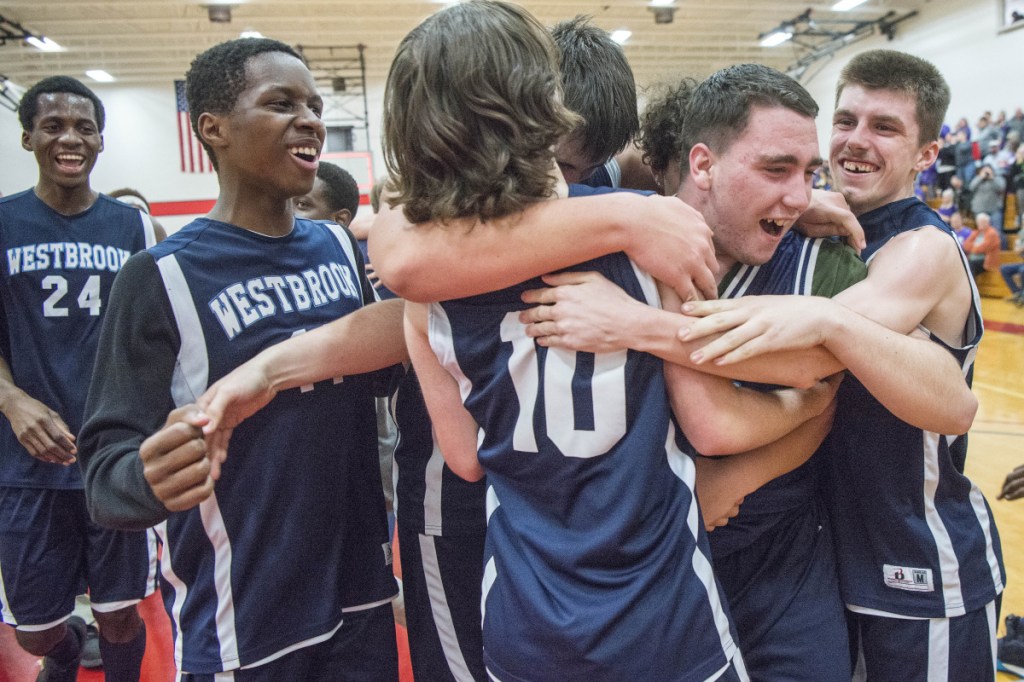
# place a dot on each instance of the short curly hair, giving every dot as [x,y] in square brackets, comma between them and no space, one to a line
[661,128]
[340,188]
[28,107]
[218,76]
[472,111]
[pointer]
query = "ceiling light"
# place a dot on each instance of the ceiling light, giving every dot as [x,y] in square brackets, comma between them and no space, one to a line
[219,14]
[776,38]
[846,5]
[43,43]
[662,3]
[249,33]
[100,76]
[621,36]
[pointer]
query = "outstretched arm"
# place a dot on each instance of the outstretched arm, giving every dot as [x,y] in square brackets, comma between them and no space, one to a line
[455,430]
[430,262]
[584,311]
[368,339]
[918,279]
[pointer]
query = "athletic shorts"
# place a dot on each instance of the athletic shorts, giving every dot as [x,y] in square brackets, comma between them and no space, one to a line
[441,581]
[51,551]
[363,649]
[783,594]
[925,650]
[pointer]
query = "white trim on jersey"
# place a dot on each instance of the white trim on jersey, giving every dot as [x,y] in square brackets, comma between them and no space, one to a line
[346,244]
[192,371]
[985,521]
[938,649]
[804,282]
[6,615]
[433,481]
[447,635]
[684,468]
[949,565]
[213,524]
[148,229]
[614,170]
[287,650]
[180,591]
[439,334]
[490,575]
[741,282]
[647,285]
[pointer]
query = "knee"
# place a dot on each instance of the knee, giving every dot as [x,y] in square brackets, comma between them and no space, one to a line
[41,642]
[119,626]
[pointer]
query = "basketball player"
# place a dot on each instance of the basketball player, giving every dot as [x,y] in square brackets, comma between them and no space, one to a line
[63,244]
[268,554]
[752,127]
[918,552]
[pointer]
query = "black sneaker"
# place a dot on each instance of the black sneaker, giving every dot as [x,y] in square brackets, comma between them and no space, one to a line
[1011,647]
[51,672]
[91,658]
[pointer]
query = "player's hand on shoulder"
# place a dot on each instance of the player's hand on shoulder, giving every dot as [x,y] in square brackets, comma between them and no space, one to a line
[40,430]
[828,215]
[174,460]
[672,242]
[580,311]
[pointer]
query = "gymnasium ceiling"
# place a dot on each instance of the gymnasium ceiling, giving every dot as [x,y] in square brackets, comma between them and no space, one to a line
[153,41]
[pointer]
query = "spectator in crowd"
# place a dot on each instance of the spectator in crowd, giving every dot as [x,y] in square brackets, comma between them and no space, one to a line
[1013,273]
[988,190]
[987,133]
[982,245]
[1016,124]
[963,154]
[956,223]
[948,206]
[945,164]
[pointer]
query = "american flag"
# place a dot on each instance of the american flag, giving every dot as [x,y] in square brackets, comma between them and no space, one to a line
[193,156]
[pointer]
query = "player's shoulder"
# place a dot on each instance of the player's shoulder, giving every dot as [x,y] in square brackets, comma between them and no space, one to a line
[15,198]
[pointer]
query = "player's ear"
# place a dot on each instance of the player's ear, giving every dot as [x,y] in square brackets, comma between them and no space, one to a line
[26,140]
[101,147]
[926,156]
[342,216]
[212,129]
[702,161]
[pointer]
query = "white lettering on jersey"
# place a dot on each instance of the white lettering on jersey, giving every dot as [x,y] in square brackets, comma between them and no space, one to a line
[245,303]
[65,256]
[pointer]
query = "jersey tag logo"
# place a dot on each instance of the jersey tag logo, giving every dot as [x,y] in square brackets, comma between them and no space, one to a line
[911,579]
[389,557]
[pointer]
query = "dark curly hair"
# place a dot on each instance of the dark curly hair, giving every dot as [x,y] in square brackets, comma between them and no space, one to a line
[598,84]
[340,188]
[661,129]
[892,70]
[29,105]
[472,111]
[218,76]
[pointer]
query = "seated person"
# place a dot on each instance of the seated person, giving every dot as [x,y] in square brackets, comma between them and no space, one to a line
[982,246]
[1013,273]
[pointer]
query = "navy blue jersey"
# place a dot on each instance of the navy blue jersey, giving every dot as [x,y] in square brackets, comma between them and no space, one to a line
[596,559]
[57,272]
[295,531]
[818,267]
[430,498]
[915,537]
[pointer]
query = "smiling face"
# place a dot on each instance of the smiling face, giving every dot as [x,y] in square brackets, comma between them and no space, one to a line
[754,191]
[875,152]
[65,139]
[273,136]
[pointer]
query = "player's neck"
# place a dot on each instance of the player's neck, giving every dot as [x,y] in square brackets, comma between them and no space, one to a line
[66,200]
[263,214]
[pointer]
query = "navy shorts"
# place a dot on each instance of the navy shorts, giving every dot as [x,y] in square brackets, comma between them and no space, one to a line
[363,649]
[783,594]
[51,551]
[441,581]
[925,650]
